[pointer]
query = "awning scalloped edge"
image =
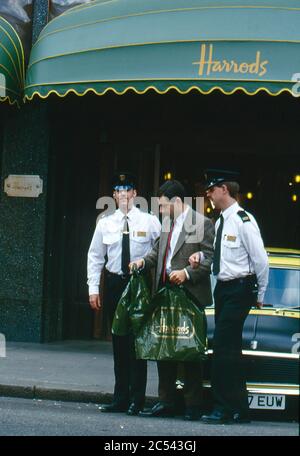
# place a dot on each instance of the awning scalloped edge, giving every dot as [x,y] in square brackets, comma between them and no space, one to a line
[10,102]
[161,92]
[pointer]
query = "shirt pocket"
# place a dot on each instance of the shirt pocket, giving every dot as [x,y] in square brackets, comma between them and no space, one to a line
[231,247]
[140,245]
[111,238]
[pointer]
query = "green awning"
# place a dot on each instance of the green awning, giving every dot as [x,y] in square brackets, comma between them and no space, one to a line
[121,45]
[12,72]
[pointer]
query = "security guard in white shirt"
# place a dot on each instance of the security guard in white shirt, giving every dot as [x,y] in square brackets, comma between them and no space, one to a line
[119,238]
[240,266]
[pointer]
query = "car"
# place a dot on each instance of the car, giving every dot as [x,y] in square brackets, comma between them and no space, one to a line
[271,340]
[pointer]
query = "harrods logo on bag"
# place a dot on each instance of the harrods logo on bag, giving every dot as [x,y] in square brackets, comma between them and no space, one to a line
[182,329]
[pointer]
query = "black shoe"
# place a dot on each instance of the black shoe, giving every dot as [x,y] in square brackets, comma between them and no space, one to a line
[216,417]
[192,413]
[114,408]
[134,409]
[159,410]
[240,418]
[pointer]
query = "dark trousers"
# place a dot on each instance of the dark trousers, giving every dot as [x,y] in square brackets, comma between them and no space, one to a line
[167,375]
[233,301]
[130,373]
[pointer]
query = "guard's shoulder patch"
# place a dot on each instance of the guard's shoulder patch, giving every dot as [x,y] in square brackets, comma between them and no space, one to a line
[244,216]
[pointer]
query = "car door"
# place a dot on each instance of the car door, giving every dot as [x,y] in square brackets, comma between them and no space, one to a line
[277,335]
[278,321]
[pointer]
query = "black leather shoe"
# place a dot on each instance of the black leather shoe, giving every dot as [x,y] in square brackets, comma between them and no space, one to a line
[240,418]
[113,408]
[216,417]
[192,414]
[134,409]
[159,410]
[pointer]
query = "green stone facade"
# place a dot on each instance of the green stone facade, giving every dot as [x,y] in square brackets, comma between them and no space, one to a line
[23,220]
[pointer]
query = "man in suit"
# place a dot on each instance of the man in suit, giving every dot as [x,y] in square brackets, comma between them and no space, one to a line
[183,230]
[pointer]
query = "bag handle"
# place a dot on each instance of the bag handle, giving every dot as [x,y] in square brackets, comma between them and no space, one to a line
[135,272]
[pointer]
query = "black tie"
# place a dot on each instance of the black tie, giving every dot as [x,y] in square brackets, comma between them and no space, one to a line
[217,254]
[125,248]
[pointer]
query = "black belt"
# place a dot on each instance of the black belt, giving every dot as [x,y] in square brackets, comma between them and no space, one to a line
[119,276]
[247,279]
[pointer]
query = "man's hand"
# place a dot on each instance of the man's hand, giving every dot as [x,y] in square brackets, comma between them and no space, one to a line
[259,305]
[95,302]
[137,263]
[194,260]
[177,277]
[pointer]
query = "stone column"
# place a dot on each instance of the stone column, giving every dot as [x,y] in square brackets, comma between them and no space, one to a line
[23,220]
[40,17]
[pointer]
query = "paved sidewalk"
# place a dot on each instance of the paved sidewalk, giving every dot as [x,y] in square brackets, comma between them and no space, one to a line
[69,370]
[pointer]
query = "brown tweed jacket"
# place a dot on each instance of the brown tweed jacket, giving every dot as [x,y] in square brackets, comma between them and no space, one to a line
[197,235]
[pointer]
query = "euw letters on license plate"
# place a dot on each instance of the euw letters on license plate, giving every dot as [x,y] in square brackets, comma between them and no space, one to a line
[266,401]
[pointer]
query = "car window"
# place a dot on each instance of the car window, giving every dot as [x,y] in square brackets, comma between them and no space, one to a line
[283,288]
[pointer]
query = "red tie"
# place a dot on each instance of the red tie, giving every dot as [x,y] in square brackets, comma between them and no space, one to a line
[164,271]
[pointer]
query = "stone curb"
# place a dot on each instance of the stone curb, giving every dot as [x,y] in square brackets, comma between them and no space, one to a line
[59,394]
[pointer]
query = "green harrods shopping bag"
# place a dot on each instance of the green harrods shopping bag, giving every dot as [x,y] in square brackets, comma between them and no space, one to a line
[176,329]
[134,306]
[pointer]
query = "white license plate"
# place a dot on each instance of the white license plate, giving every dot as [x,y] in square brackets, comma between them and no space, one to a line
[266,401]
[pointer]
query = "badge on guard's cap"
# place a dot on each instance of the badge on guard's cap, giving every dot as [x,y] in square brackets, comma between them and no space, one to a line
[218,176]
[123,180]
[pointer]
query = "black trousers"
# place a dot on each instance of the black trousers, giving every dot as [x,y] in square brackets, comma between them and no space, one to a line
[130,373]
[193,378]
[233,301]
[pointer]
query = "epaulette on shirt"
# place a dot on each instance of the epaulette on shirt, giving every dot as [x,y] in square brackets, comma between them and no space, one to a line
[244,216]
